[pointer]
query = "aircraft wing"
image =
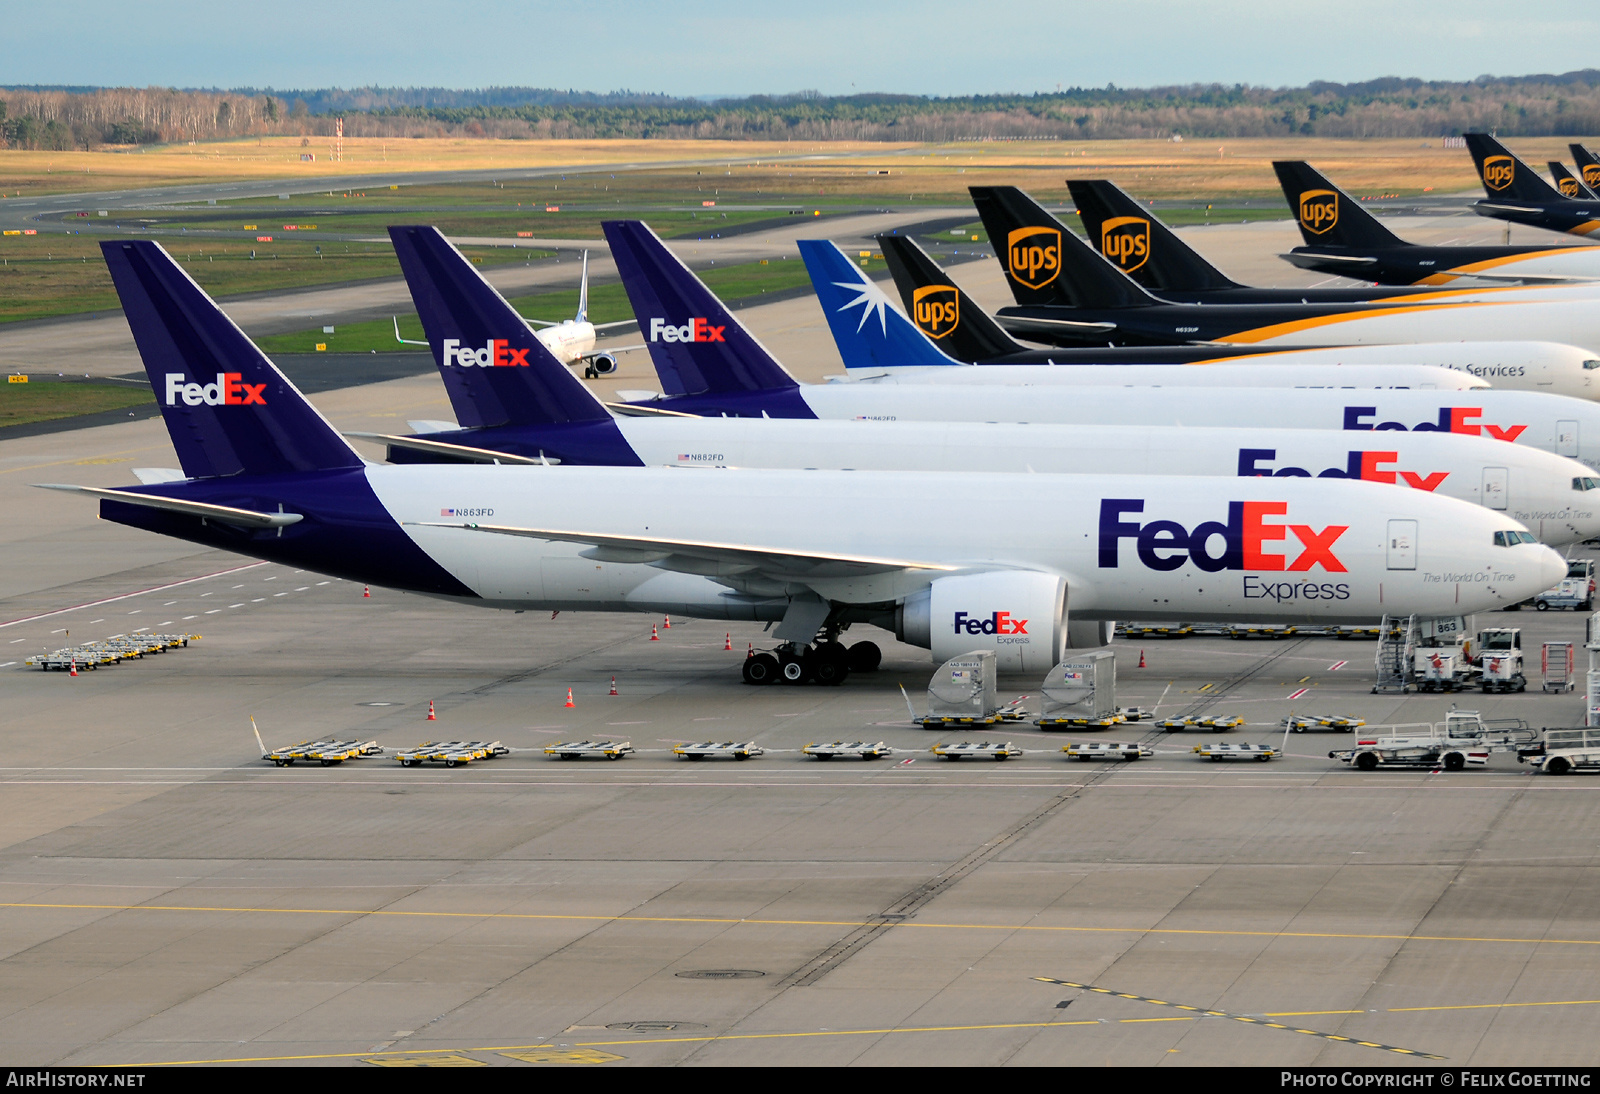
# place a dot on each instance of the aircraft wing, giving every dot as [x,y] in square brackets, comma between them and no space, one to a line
[443,448]
[708,558]
[225,514]
[634,410]
[618,323]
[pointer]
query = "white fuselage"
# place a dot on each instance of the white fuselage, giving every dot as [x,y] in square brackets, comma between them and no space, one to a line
[1552,423]
[1576,262]
[1535,487]
[1128,546]
[567,341]
[1574,322]
[1518,366]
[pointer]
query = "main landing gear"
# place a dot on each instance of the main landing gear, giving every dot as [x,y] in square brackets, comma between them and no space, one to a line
[827,661]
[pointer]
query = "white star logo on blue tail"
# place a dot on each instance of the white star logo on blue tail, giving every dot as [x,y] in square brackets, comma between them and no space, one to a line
[871,300]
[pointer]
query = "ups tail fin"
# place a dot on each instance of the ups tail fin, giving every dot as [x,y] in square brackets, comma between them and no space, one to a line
[1044,262]
[940,309]
[870,332]
[698,347]
[1569,185]
[1588,166]
[228,408]
[494,368]
[1325,213]
[1504,175]
[1142,247]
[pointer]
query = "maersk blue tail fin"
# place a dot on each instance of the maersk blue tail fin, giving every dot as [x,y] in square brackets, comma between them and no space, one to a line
[697,345]
[870,332]
[228,408]
[494,368]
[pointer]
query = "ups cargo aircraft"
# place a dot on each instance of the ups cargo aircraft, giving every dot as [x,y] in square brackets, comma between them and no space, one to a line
[1068,294]
[263,474]
[1132,238]
[1568,184]
[963,333]
[1517,193]
[1588,166]
[543,412]
[1343,238]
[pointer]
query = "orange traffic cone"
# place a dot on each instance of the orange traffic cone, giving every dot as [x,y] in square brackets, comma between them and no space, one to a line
[751,652]
[570,703]
[666,622]
[613,685]
[74,671]
[654,637]
[366,591]
[1141,658]
[432,717]
[727,641]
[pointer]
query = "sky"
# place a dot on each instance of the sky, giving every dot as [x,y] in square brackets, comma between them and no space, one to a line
[744,47]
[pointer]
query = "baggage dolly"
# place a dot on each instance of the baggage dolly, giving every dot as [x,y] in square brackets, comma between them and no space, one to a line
[1000,752]
[572,750]
[1107,750]
[737,749]
[326,752]
[450,753]
[1234,750]
[873,751]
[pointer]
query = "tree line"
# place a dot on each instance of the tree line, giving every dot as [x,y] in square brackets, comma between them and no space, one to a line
[1522,106]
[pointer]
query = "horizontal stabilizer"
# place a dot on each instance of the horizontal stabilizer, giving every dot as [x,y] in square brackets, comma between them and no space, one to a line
[698,556]
[225,514]
[634,410]
[1308,260]
[1023,324]
[443,448]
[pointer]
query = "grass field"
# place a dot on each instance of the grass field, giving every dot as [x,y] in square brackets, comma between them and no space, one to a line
[43,402]
[607,304]
[49,275]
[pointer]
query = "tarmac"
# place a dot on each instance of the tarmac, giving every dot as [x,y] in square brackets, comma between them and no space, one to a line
[168,897]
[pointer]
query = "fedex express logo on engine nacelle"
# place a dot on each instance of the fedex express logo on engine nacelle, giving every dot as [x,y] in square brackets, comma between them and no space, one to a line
[227,391]
[1247,538]
[994,623]
[1452,419]
[1368,466]
[496,354]
[695,330]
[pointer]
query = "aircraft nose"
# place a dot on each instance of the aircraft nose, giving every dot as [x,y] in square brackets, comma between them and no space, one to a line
[1549,568]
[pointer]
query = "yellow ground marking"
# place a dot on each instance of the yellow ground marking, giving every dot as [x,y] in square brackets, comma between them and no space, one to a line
[448,1060]
[734,921]
[563,1056]
[1245,1018]
[546,1054]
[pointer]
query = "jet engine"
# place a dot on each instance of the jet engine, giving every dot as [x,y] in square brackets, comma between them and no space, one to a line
[1019,614]
[601,364]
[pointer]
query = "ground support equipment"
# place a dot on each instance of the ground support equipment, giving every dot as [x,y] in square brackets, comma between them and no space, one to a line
[867,751]
[450,753]
[982,749]
[1234,750]
[1107,750]
[326,752]
[572,750]
[739,750]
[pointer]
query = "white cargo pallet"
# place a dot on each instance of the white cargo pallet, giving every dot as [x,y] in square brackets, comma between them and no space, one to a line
[865,750]
[739,750]
[1234,750]
[572,750]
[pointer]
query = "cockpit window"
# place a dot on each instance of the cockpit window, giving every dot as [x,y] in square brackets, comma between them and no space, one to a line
[1511,539]
[1586,483]
[1591,363]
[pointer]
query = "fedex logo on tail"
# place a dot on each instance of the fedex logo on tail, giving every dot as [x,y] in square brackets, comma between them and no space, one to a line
[1247,539]
[1452,419]
[996,623]
[695,330]
[227,391]
[497,353]
[1369,466]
